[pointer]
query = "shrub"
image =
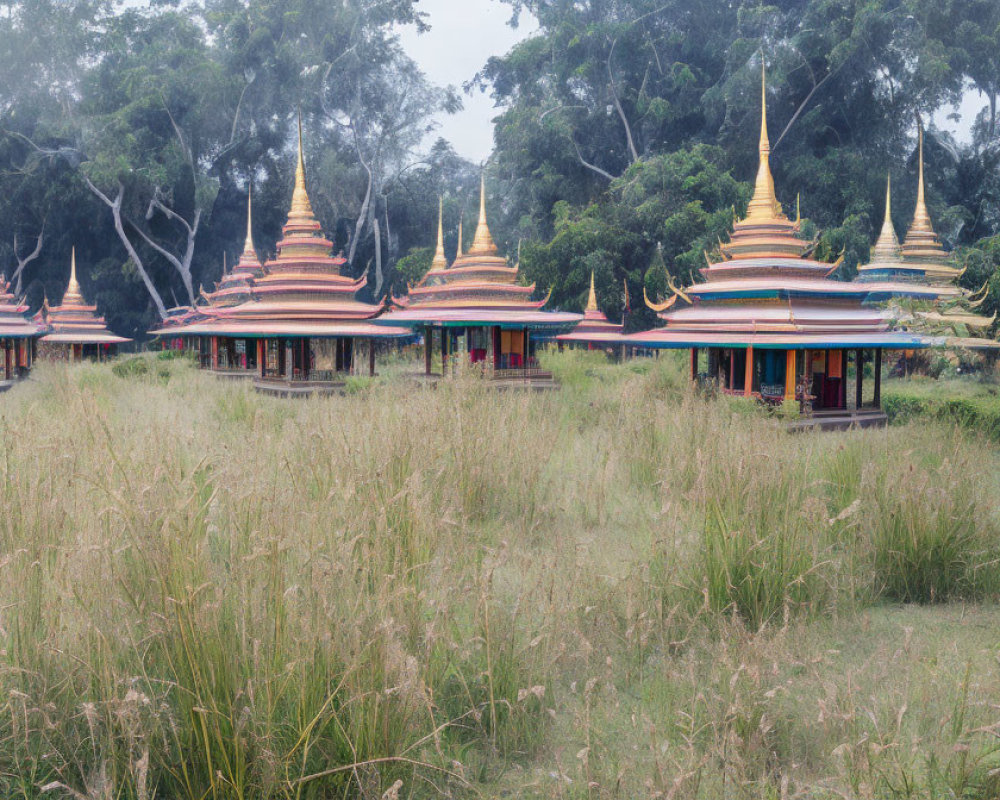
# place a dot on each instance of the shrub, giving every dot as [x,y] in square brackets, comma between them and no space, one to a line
[131,368]
[928,539]
[978,412]
[757,570]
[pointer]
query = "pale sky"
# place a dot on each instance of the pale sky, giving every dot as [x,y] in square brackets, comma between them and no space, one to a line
[463,36]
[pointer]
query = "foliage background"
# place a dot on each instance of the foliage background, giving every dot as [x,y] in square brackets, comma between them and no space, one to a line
[624,126]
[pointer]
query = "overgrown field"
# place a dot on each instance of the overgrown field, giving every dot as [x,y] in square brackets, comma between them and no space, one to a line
[618,590]
[972,404]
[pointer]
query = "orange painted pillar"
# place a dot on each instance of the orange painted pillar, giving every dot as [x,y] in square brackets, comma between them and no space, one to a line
[789,376]
[748,375]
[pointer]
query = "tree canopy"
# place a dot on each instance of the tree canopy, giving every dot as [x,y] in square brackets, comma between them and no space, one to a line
[608,90]
[624,141]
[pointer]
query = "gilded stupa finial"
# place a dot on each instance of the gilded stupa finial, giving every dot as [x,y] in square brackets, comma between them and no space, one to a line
[764,203]
[482,243]
[461,216]
[921,244]
[921,218]
[886,247]
[73,293]
[301,206]
[592,298]
[440,262]
[248,244]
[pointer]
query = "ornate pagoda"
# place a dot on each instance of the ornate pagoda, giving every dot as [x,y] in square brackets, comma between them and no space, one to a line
[478,311]
[293,323]
[595,330]
[18,335]
[773,323]
[922,259]
[75,330]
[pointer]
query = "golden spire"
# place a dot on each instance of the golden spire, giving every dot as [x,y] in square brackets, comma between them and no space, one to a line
[921,219]
[248,244]
[461,216]
[73,293]
[764,204]
[440,262]
[301,207]
[887,246]
[482,243]
[592,299]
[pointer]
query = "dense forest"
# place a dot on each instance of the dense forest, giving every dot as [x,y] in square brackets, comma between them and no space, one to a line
[624,141]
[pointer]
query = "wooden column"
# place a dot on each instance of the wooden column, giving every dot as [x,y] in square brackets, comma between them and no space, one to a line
[878,377]
[371,358]
[748,374]
[428,343]
[732,368]
[444,351]
[859,374]
[789,376]
[260,357]
[843,379]
[215,352]
[694,363]
[524,349]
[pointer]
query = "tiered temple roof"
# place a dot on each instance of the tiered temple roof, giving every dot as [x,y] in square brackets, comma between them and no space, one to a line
[300,293]
[75,322]
[236,286]
[479,288]
[765,291]
[14,322]
[922,259]
[595,326]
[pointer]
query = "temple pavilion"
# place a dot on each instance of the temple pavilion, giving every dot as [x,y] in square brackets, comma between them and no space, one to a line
[75,330]
[595,330]
[769,322]
[477,312]
[17,337]
[294,322]
[921,259]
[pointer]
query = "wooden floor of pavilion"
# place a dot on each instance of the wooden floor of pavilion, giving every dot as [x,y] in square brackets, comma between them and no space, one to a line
[279,387]
[840,419]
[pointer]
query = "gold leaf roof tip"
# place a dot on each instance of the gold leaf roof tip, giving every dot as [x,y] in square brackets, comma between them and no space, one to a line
[301,206]
[482,243]
[73,294]
[248,244]
[764,203]
[592,297]
[887,248]
[440,262]
[921,242]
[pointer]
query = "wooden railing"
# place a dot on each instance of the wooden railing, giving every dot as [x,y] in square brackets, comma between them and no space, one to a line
[524,373]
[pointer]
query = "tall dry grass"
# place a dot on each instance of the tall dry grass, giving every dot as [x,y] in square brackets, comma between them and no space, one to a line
[616,590]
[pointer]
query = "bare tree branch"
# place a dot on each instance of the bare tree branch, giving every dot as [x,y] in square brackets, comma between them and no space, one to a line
[23,262]
[362,217]
[116,211]
[588,165]
[618,105]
